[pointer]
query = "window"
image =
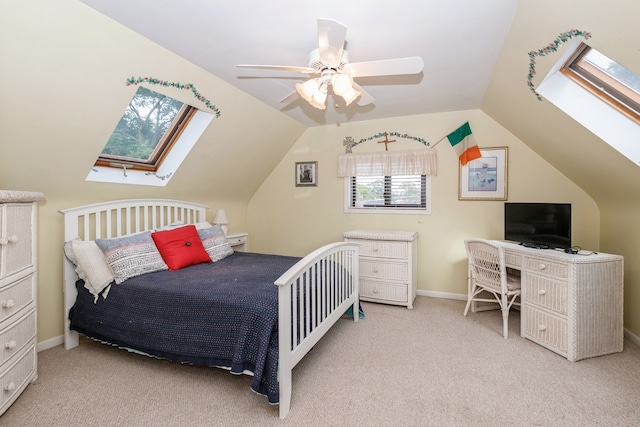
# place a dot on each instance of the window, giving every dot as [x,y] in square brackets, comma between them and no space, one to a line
[393,181]
[148,129]
[608,119]
[606,79]
[400,193]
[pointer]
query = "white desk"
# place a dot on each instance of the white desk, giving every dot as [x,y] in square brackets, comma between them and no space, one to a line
[570,304]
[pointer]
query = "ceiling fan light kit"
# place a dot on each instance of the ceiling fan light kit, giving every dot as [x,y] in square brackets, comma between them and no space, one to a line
[307,89]
[329,65]
[341,83]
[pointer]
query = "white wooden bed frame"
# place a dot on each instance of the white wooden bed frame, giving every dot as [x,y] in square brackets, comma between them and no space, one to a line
[121,217]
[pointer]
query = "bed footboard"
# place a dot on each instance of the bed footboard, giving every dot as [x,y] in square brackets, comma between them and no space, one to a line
[313,295]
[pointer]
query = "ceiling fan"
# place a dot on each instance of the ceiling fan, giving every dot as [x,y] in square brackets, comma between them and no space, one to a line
[329,66]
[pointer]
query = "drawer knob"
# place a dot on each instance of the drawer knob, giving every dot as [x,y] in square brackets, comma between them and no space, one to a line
[542,266]
[8,304]
[6,240]
[542,327]
[10,387]
[375,269]
[375,249]
[11,344]
[375,291]
[542,292]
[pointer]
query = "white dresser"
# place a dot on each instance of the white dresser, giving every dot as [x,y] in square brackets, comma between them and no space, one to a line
[18,293]
[388,265]
[571,304]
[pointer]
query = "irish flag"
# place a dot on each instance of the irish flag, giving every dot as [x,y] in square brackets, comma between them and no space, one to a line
[464,144]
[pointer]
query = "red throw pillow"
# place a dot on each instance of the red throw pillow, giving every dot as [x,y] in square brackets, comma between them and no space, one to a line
[180,247]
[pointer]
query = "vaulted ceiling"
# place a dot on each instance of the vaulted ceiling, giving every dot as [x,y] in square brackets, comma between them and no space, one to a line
[459,41]
[475,57]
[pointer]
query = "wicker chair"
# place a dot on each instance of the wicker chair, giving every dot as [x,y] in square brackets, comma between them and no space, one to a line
[488,275]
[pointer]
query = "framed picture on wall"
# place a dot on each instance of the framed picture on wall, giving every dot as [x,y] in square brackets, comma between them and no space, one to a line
[306,174]
[485,178]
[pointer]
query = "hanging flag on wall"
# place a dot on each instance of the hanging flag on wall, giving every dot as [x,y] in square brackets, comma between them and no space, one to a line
[464,144]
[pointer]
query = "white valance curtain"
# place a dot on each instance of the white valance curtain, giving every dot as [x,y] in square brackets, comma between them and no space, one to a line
[388,163]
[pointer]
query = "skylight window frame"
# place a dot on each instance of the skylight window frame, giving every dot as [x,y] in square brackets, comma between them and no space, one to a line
[161,151]
[601,84]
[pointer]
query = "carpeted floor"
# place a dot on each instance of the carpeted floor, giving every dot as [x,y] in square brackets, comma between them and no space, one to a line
[429,366]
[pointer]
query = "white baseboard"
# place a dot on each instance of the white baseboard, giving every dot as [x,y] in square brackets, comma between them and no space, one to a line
[633,338]
[50,343]
[445,295]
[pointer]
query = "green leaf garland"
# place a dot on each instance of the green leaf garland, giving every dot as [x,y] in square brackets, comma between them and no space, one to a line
[188,86]
[550,48]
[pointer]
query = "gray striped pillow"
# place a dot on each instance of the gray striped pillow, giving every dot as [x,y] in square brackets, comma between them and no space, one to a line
[132,256]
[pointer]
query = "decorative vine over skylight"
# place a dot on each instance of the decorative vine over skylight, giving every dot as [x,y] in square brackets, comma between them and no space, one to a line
[188,86]
[550,48]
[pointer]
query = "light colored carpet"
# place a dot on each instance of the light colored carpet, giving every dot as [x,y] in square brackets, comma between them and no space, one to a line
[428,366]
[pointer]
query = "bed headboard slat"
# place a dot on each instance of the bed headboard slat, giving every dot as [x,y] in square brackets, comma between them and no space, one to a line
[115,219]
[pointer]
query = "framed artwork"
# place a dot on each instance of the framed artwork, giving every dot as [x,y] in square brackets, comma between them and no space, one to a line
[306,174]
[485,178]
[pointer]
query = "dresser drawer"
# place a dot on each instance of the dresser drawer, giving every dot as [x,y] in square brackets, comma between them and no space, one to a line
[15,337]
[545,266]
[384,292]
[382,249]
[545,328]
[545,292]
[17,376]
[376,269]
[16,296]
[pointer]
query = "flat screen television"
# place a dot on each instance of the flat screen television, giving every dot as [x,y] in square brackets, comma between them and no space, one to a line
[540,225]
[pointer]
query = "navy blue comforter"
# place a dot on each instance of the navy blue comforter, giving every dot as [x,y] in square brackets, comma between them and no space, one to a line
[216,314]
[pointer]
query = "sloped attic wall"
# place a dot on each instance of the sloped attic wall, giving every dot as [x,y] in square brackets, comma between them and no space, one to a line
[63,90]
[611,179]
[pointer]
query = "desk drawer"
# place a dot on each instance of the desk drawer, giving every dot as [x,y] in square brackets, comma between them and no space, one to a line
[545,328]
[545,292]
[545,266]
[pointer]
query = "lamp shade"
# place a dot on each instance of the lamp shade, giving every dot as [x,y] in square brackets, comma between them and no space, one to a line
[308,89]
[350,95]
[320,97]
[221,218]
[342,83]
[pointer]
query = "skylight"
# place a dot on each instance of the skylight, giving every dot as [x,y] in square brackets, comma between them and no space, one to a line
[606,79]
[149,127]
[599,94]
[150,141]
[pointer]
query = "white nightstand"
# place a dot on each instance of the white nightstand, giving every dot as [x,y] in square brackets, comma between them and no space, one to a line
[238,241]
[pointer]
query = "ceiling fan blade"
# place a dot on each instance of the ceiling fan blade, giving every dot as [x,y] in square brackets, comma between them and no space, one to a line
[365,97]
[290,98]
[385,67]
[331,37]
[307,70]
